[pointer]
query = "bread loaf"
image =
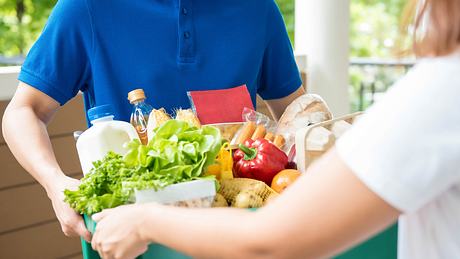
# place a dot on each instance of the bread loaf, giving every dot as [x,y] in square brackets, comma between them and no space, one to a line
[306,110]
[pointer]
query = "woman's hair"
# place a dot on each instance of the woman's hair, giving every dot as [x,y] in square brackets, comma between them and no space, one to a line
[436,26]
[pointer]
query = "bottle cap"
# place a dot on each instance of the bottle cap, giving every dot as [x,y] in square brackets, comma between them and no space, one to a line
[100,112]
[136,95]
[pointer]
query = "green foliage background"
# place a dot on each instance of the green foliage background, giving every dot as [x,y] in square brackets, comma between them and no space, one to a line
[373,30]
[21,21]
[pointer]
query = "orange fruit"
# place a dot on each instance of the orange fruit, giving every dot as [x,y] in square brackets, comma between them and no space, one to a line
[283,179]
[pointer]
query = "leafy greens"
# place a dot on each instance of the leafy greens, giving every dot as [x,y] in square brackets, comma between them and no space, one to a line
[178,152]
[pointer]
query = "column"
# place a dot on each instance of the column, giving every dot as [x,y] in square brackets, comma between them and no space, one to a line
[322,33]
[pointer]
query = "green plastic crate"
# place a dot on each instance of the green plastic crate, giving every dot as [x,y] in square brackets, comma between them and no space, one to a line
[154,252]
[382,246]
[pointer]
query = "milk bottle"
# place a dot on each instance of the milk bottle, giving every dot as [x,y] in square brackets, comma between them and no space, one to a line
[105,135]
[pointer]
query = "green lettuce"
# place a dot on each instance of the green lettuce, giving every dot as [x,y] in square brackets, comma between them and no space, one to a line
[178,152]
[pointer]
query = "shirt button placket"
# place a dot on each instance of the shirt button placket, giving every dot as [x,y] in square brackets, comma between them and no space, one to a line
[186,29]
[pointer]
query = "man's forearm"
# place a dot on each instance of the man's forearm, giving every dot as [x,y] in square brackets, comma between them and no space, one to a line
[278,106]
[28,140]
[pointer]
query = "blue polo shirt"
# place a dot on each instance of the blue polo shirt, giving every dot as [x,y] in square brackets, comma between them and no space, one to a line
[106,48]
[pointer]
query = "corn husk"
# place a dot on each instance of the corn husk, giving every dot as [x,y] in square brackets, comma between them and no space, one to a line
[156,119]
[188,116]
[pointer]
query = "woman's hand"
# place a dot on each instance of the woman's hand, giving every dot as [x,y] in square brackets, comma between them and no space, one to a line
[118,232]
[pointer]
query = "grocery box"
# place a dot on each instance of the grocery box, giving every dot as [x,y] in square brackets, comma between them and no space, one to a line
[155,251]
[382,246]
[311,143]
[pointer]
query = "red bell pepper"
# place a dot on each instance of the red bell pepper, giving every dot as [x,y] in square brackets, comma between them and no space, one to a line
[259,159]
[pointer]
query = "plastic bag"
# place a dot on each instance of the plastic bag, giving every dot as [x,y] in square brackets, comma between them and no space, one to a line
[258,125]
[193,194]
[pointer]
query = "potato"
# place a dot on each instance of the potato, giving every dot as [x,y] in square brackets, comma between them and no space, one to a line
[270,198]
[219,201]
[247,199]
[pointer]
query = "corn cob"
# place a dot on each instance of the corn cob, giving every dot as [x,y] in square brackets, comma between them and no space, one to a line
[188,116]
[156,119]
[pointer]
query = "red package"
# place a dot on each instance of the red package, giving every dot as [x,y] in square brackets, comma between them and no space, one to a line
[221,106]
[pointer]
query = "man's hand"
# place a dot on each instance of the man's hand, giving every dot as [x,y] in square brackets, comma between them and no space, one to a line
[118,232]
[71,223]
[29,141]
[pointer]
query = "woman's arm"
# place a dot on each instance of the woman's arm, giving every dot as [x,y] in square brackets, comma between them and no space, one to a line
[326,211]
[24,128]
[278,106]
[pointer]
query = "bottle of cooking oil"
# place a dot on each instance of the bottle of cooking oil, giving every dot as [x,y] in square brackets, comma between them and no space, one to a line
[140,113]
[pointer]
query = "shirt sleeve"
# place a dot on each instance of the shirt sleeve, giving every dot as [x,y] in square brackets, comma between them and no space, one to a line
[58,63]
[406,148]
[279,75]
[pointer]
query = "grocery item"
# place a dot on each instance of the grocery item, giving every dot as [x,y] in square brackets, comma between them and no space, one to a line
[339,128]
[229,189]
[140,113]
[313,141]
[283,179]
[259,159]
[177,153]
[223,166]
[219,201]
[214,169]
[279,141]
[306,110]
[271,198]
[269,136]
[222,105]
[257,126]
[192,194]
[320,139]
[105,135]
[228,130]
[247,199]
[188,116]
[259,132]
[156,118]
[245,133]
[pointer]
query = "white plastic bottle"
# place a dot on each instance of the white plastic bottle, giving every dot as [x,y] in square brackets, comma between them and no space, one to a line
[105,135]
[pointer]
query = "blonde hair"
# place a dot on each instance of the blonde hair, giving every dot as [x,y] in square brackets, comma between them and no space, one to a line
[436,25]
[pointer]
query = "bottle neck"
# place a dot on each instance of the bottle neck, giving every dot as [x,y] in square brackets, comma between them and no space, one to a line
[102,119]
[138,102]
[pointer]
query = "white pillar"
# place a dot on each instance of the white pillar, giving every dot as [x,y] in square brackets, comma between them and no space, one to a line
[322,33]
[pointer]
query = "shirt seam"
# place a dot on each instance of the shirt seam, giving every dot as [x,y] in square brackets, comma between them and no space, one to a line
[48,83]
[290,82]
[269,36]
[91,24]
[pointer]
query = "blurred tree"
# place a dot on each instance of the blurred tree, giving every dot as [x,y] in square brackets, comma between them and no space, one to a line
[288,11]
[374,27]
[373,30]
[21,21]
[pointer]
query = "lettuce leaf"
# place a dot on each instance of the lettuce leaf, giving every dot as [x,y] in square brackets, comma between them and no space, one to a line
[177,153]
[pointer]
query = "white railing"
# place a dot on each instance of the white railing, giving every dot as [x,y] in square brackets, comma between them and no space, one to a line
[8,81]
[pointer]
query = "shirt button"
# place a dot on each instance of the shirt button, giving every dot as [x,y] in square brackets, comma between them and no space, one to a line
[187,34]
[184,11]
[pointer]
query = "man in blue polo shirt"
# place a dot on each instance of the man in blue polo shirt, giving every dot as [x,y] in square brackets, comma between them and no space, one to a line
[106,48]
